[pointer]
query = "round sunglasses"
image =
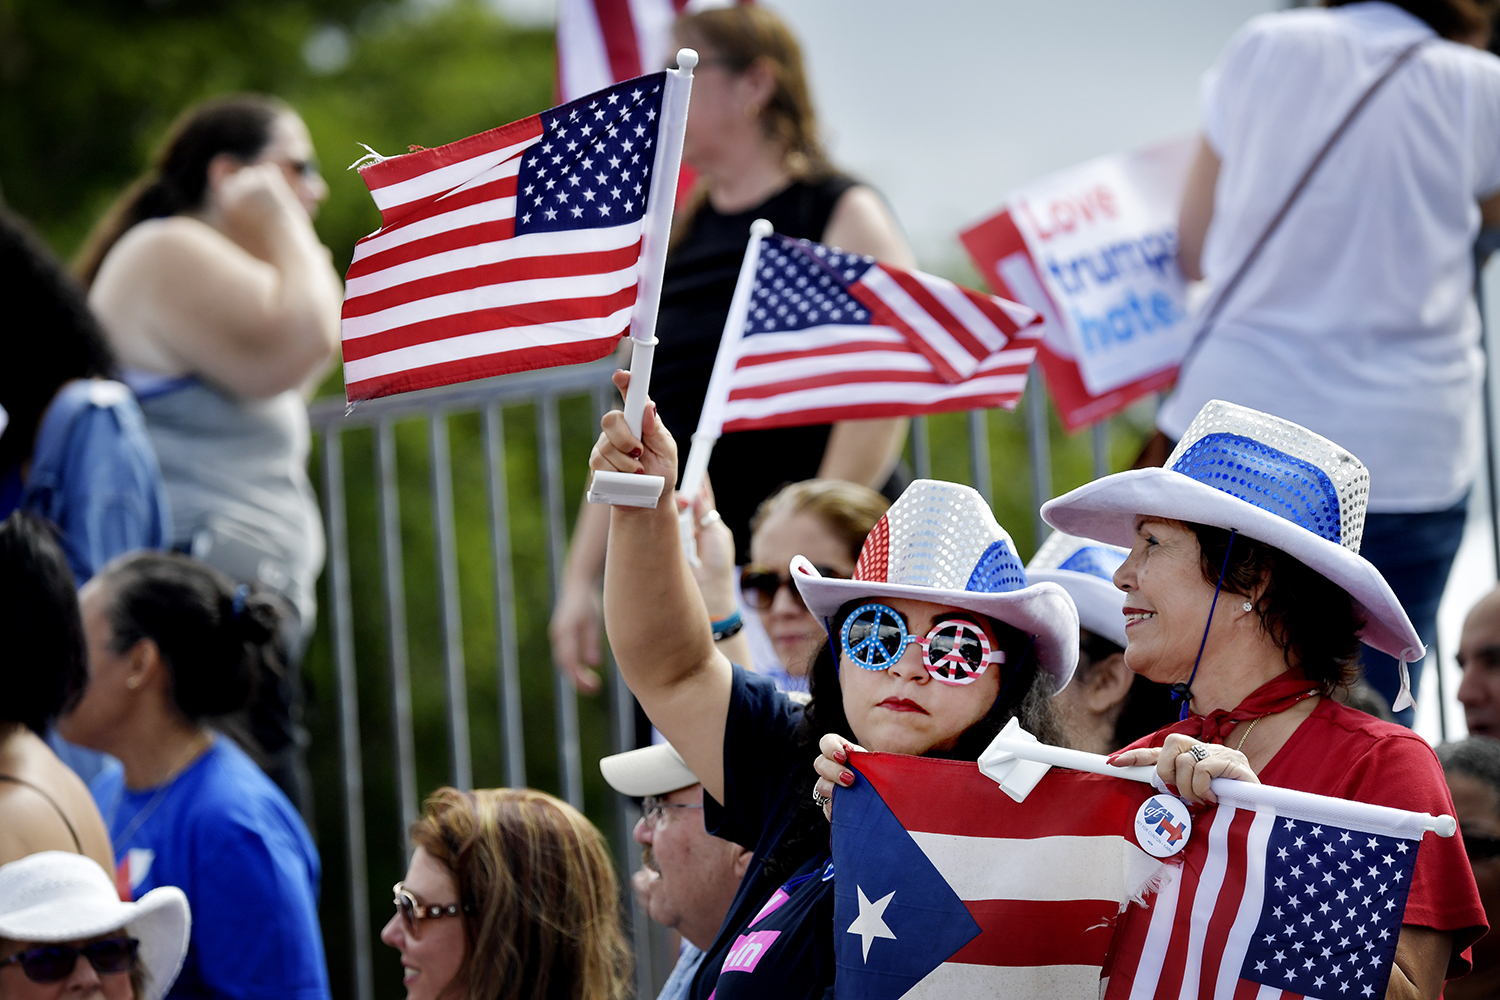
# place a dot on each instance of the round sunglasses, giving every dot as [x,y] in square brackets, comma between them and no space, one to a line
[956,651]
[413,913]
[50,963]
[758,585]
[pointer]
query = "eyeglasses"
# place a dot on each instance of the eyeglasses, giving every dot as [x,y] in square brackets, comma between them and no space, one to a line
[51,963]
[413,913]
[1481,848]
[759,584]
[956,651]
[654,809]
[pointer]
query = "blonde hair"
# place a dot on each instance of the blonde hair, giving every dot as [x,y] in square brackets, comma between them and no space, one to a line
[537,879]
[849,510]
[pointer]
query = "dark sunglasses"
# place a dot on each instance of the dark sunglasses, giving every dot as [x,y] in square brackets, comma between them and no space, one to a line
[758,585]
[50,963]
[1481,848]
[413,913]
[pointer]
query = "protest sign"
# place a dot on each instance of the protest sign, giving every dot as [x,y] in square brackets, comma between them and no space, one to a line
[1093,249]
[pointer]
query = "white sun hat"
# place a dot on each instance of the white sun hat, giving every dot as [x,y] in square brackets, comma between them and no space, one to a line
[1085,569]
[657,769]
[58,896]
[1268,479]
[941,543]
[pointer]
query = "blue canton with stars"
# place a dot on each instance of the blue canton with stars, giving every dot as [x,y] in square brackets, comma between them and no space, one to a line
[799,284]
[1332,911]
[592,166]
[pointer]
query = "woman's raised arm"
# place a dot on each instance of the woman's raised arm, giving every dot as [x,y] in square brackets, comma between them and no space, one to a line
[659,630]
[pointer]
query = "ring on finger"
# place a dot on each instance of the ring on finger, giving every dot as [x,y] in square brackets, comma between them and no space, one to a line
[820,799]
[1199,752]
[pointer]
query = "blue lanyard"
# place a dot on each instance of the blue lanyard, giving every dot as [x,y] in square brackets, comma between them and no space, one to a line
[823,874]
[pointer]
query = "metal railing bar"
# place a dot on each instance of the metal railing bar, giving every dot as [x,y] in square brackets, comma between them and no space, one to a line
[1038,450]
[348,698]
[507,654]
[462,772]
[522,387]
[921,449]
[565,702]
[1100,434]
[397,652]
[979,455]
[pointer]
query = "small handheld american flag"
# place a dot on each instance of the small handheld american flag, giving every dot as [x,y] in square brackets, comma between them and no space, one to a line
[535,244]
[816,335]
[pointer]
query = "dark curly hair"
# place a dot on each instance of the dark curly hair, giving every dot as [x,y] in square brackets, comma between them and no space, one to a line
[47,658]
[1311,619]
[1025,694]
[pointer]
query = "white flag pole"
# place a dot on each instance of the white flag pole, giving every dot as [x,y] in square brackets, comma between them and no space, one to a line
[711,417]
[1359,815]
[618,487]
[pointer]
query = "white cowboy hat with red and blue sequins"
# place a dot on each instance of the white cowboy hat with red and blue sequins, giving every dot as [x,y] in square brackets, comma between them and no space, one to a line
[1265,478]
[940,543]
[1085,569]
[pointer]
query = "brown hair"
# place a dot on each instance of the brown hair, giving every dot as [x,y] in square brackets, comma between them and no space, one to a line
[1311,619]
[239,125]
[748,33]
[848,509]
[738,36]
[1455,20]
[537,878]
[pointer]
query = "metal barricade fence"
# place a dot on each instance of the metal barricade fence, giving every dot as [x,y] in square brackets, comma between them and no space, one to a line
[379,536]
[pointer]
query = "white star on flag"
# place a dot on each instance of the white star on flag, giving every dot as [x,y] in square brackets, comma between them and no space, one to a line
[870,924]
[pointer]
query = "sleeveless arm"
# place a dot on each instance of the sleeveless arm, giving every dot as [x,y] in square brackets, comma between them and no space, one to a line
[865,451]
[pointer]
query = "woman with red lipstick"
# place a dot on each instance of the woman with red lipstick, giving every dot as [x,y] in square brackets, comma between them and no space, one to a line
[939,643]
[1244,590]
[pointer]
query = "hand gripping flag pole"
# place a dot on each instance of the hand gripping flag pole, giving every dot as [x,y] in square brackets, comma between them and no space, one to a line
[617,487]
[1362,815]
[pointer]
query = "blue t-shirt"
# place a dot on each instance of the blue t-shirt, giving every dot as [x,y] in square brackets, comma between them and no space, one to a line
[777,940]
[229,839]
[93,474]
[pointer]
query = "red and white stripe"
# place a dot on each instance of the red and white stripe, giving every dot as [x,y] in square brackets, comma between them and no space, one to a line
[1045,879]
[956,328]
[846,372]
[445,292]
[601,42]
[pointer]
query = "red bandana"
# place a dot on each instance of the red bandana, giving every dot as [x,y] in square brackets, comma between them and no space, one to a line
[1276,695]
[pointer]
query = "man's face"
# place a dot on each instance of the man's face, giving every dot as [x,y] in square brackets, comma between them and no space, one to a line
[697,873]
[1479,657]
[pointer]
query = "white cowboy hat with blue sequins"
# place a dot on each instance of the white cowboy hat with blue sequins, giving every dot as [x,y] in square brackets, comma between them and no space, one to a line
[1268,479]
[940,543]
[1085,569]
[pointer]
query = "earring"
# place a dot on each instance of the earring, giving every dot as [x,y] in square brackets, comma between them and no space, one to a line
[132,682]
[1248,606]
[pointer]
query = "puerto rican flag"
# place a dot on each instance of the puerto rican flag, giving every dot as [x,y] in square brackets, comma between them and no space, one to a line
[514,249]
[947,887]
[829,335]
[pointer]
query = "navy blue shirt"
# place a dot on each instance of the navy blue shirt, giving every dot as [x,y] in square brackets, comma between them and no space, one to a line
[230,840]
[778,938]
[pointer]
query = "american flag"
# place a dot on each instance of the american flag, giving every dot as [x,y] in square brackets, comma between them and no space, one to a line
[602,42]
[514,249]
[829,335]
[947,887]
[1270,905]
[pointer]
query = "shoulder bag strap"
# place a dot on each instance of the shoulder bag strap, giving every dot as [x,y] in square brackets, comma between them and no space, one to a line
[1307,175]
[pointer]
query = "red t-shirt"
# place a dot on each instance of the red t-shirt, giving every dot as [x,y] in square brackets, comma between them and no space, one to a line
[1347,754]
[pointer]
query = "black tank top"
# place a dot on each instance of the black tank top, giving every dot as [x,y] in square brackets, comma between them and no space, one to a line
[747,466]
